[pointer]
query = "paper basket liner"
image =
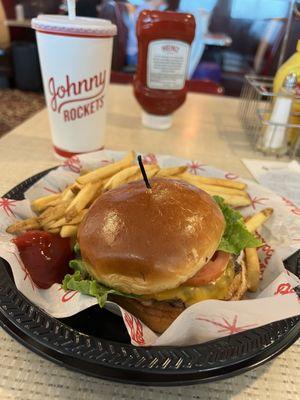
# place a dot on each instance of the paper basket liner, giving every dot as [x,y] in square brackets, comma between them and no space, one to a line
[275,299]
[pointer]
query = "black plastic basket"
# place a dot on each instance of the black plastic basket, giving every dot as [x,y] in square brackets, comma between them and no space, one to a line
[95,342]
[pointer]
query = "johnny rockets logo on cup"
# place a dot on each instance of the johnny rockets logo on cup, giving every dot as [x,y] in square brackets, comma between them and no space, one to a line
[76,100]
[75,57]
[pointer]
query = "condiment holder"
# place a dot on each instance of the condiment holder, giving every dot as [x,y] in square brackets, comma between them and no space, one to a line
[271,120]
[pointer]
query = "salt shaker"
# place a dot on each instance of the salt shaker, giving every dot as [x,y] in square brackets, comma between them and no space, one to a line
[274,135]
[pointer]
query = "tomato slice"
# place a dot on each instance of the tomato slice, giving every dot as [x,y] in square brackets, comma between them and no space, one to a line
[211,271]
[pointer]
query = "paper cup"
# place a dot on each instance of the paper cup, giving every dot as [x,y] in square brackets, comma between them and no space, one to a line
[75,57]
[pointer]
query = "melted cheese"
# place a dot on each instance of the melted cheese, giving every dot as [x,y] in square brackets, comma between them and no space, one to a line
[190,295]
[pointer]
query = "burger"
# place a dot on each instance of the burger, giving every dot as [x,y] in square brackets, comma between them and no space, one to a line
[156,252]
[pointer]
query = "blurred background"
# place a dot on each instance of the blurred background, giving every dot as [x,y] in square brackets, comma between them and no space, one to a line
[233,38]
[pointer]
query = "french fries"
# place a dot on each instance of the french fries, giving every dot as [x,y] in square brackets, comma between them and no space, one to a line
[253,269]
[232,200]
[256,220]
[232,196]
[123,176]
[54,230]
[172,171]
[82,199]
[76,187]
[252,262]
[221,182]
[24,225]
[108,170]
[53,214]
[213,188]
[63,221]
[67,194]
[68,231]
[40,204]
[129,174]
[78,218]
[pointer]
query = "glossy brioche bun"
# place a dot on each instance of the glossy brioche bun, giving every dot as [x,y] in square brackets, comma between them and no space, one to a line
[160,315]
[142,242]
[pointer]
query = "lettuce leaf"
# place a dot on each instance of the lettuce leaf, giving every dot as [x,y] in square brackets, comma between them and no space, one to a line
[236,236]
[76,250]
[79,265]
[83,283]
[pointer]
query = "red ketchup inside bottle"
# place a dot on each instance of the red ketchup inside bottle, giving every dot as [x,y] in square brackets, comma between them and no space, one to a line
[164,39]
[45,256]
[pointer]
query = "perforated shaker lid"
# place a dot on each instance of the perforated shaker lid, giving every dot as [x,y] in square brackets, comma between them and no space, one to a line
[80,26]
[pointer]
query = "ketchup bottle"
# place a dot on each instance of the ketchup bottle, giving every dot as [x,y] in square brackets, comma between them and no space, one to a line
[164,39]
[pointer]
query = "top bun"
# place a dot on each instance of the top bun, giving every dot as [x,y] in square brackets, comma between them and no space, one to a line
[145,241]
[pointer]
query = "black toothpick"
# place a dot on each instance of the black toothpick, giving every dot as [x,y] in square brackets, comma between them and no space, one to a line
[145,177]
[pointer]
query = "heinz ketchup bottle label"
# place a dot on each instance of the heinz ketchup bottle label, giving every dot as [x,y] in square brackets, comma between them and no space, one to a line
[164,40]
[167,64]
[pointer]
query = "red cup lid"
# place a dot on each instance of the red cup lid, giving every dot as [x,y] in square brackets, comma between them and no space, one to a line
[80,26]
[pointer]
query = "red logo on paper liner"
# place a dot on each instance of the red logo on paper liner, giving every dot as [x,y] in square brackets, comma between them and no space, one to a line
[195,166]
[226,326]
[51,190]
[267,251]
[69,294]
[294,209]
[73,164]
[136,328]
[7,205]
[87,91]
[284,288]
[257,200]
[149,159]
[231,175]
[106,162]
[23,268]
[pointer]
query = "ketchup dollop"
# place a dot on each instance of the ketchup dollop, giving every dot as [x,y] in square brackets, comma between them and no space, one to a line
[45,256]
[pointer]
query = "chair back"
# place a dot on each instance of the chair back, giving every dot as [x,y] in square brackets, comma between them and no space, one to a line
[114,11]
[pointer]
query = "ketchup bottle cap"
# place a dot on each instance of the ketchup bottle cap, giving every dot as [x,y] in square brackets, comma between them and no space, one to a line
[156,121]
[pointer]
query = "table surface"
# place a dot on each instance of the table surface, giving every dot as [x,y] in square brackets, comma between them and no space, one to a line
[206,128]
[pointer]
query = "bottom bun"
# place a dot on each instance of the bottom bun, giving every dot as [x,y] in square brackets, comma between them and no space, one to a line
[159,315]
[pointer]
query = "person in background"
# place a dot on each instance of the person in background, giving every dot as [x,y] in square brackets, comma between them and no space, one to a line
[130,21]
[202,10]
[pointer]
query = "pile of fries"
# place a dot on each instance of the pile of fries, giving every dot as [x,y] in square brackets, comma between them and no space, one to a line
[62,213]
